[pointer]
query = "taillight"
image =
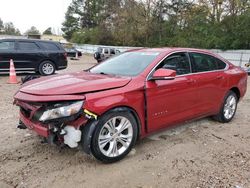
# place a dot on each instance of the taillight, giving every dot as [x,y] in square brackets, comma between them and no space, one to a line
[65,55]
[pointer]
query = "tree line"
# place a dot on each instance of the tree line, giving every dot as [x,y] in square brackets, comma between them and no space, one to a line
[8,28]
[223,24]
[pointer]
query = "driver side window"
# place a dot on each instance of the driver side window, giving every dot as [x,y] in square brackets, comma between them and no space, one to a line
[178,62]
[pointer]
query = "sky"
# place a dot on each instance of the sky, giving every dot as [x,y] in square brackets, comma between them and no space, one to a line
[39,13]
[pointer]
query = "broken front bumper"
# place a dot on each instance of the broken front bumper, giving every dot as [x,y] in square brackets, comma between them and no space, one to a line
[27,117]
[39,128]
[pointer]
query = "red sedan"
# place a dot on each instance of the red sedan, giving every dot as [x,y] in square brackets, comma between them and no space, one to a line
[108,107]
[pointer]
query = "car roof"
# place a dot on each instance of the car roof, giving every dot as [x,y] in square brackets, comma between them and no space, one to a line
[169,49]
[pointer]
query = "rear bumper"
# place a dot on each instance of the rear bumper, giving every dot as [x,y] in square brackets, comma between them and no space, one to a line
[39,128]
[62,67]
[62,64]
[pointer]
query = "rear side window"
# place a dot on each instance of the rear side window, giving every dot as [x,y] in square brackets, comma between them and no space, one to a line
[49,46]
[220,64]
[7,45]
[28,46]
[203,62]
[178,62]
[112,51]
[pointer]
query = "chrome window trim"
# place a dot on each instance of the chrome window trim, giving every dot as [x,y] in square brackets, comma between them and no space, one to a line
[192,73]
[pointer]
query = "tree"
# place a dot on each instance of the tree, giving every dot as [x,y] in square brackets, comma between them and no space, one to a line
[32,31]
[73,18]
[1,26]
[9,29]
[48,31]
[188,23]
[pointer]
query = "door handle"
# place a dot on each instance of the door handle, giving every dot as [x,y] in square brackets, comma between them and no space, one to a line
[191,81]
[220,77]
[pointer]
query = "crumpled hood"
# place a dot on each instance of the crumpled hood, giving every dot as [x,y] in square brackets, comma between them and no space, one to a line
[73,83]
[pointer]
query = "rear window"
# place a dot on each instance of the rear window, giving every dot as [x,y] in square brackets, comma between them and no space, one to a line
[28,46]
[220,64]
[49,46]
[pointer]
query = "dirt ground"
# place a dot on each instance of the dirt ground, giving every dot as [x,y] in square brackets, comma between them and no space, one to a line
[201,153]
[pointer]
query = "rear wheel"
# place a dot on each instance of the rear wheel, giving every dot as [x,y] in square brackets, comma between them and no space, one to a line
[228,108]
[114,137]
[47,68]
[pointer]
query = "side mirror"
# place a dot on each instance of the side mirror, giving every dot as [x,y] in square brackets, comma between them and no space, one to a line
[164,74]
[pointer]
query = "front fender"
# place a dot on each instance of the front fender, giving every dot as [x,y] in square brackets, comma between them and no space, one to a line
[87,132]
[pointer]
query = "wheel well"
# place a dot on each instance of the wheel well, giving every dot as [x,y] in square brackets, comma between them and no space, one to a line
[133,112]
[236,91]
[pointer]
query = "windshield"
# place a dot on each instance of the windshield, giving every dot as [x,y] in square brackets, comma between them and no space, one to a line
[126,64]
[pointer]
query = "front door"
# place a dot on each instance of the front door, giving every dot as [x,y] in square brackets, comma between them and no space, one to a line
[171,101]
[7,52]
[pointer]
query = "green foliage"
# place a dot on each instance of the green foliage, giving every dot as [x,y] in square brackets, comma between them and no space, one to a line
[73,17]
[32,31]
[1,26]
[8,28]
[155,23]
[48,31]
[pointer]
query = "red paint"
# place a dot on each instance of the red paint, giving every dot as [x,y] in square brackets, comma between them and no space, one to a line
[37,127]
[168,101]
[73,83]
[162,73]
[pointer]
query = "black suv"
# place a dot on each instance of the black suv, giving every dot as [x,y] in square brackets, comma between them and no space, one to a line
[44,57]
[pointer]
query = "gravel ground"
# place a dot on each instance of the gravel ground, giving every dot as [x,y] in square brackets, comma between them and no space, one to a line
[200,153]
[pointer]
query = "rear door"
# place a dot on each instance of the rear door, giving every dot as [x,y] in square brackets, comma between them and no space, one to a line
[52,51]
[210,82]
[7,52]
[28,55]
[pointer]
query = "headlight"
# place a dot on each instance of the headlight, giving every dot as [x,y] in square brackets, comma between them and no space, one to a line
[61,111]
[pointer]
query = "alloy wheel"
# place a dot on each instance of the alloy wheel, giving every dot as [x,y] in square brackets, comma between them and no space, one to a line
[115,136]
[230,107]
[47,68]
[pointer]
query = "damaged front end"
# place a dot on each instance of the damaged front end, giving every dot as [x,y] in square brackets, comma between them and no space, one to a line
[58,122]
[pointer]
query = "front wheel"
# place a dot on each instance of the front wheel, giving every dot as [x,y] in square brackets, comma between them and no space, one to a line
[228,108]
[114,137]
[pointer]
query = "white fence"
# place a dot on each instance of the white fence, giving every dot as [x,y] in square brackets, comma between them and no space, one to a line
[91,49]
[237,57]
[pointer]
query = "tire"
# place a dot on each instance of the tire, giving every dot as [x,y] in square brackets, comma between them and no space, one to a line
[47,68]
[228,108]
[107,144]
[97,55]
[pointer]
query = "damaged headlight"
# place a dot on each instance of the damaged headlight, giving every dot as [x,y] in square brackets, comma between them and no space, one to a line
[61,110]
